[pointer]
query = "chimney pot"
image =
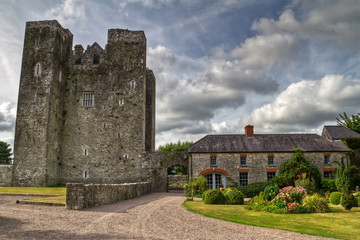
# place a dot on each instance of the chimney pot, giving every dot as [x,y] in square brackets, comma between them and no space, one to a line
[249,131]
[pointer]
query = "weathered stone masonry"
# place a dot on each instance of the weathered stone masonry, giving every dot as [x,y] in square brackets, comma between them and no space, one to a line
[83,116]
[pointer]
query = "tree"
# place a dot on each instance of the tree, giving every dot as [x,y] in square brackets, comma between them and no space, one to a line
[5,153]
[175,147]
[352,123]
[292,169]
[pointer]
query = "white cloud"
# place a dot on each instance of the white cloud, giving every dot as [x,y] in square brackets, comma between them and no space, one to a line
[336,21]
[69,12]
[7,116]
[307,104]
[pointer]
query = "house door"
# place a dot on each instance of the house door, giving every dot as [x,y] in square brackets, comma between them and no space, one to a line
[215,180]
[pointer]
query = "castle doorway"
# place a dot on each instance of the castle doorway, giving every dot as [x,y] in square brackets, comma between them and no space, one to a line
[177,178]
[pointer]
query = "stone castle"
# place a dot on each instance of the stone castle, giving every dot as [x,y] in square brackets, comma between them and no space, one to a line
[83,116]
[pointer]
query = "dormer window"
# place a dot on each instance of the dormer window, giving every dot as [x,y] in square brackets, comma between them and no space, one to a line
[96,59]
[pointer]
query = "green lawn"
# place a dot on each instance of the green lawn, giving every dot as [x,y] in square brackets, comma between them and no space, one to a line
[336,223]
[61,191]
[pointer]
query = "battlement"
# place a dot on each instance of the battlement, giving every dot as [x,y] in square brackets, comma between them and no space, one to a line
[124,35]
[49,23]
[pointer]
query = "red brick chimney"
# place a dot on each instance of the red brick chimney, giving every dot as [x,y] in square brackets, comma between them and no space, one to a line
[249,131]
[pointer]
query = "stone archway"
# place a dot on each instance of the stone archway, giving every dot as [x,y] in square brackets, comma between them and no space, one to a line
[158,165]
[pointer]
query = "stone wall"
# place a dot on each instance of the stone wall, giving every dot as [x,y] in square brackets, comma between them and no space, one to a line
[5,175]
[157,164]
[176,182]
[257,164]
[80,196]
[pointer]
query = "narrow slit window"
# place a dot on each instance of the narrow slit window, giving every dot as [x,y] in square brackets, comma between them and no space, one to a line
[85,174]
[121,102]
[37,42]
[85,152]
[119,135]
[37,72]
[133,84]
[126,156]
[60,76]
[34,99]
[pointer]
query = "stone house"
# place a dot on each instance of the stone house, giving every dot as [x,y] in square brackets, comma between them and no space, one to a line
[240,159]
[337,133]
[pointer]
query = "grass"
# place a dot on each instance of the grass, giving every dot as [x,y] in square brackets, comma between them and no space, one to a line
[60,191]
[336,223]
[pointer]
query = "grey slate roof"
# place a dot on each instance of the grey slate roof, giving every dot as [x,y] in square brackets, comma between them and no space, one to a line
[240,143]
[340,132]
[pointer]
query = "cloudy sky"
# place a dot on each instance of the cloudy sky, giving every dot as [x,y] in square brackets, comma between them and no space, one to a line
[283,66]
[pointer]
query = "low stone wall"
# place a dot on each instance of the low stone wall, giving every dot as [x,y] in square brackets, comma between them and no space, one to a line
[5,175]
[177,182]
[80,196]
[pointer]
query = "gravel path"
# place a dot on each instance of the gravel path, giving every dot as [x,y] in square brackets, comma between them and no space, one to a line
[154,216]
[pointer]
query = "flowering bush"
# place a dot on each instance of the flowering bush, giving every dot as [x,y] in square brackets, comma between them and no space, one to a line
[304,181]
[289,195]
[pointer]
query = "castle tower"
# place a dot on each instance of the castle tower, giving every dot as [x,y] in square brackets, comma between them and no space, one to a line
[47,49]
[87,116]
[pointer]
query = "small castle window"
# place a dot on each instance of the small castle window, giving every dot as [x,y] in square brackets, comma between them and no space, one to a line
[34,123]
[104,125]
[121,102]
[85,174]
[60,76]
[85,152]
[119,135]
[103,107]
[133,84]
[96,59]
[37,42]
[88,99]
[34,99]
[126,156]
[37,71]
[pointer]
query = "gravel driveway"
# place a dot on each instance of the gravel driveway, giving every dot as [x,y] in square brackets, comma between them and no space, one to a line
[154,216]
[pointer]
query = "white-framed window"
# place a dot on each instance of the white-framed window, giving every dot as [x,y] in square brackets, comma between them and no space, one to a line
[126,156]
[86,174]
[37,70]
[215,180]
[121,102]
[88,99]
[85,152]
[270,175]
[243,160]
[271,160]
[327,160]
[132,84]
[213,162]
[243,179]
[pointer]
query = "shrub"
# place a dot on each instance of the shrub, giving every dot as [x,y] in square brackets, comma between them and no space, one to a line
[271,191]
[234,197]
[335,198]
[214,196]
[290,195]
[347,201]
[253,189]
[229,189]
[203,194]
[328,185]
[195,186]
[257,203]
[315,203]
[294,167]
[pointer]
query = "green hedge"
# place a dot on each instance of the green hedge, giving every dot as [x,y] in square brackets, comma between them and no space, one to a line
[335,198]
[234,197]
[214,196]
[253,189]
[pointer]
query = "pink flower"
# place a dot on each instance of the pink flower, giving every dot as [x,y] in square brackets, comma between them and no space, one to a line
[294,208]
[298,175]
